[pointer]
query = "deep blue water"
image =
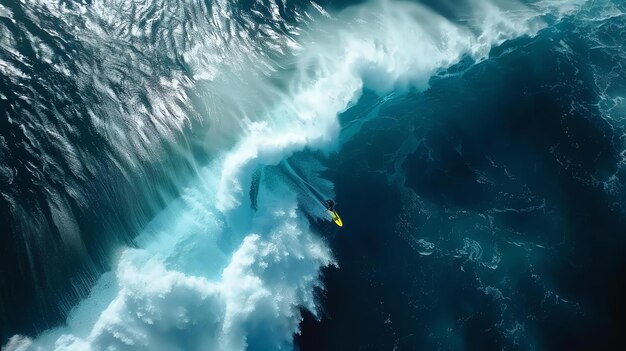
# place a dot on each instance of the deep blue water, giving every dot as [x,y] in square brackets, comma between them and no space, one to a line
[162,168]
[501,232]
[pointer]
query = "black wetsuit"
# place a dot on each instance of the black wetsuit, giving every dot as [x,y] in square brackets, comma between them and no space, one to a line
[329,205]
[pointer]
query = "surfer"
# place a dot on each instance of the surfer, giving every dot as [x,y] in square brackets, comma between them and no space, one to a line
[329,205]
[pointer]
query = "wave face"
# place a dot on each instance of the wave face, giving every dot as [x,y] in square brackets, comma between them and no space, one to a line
[164,163]
[109,109]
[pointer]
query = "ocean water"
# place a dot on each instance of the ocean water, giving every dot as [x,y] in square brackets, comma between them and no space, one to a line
[163,167]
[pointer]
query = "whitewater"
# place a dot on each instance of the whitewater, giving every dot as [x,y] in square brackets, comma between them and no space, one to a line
[230,263]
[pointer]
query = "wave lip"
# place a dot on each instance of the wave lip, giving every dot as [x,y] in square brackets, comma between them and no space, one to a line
[382,46]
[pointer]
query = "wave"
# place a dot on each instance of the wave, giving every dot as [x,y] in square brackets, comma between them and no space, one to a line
[111,109]
[210,271]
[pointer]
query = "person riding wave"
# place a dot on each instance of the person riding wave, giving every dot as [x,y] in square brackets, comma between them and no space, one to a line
[329,205]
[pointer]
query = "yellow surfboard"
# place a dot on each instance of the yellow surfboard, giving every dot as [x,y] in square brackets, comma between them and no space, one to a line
[335,217]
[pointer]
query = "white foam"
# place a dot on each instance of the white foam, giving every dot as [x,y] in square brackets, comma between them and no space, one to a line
[254,298]
[381,45]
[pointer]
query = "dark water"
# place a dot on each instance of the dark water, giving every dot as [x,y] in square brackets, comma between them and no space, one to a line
[505,228]
[486,211]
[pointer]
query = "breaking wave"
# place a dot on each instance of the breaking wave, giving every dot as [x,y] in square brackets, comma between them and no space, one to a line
[231,259]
